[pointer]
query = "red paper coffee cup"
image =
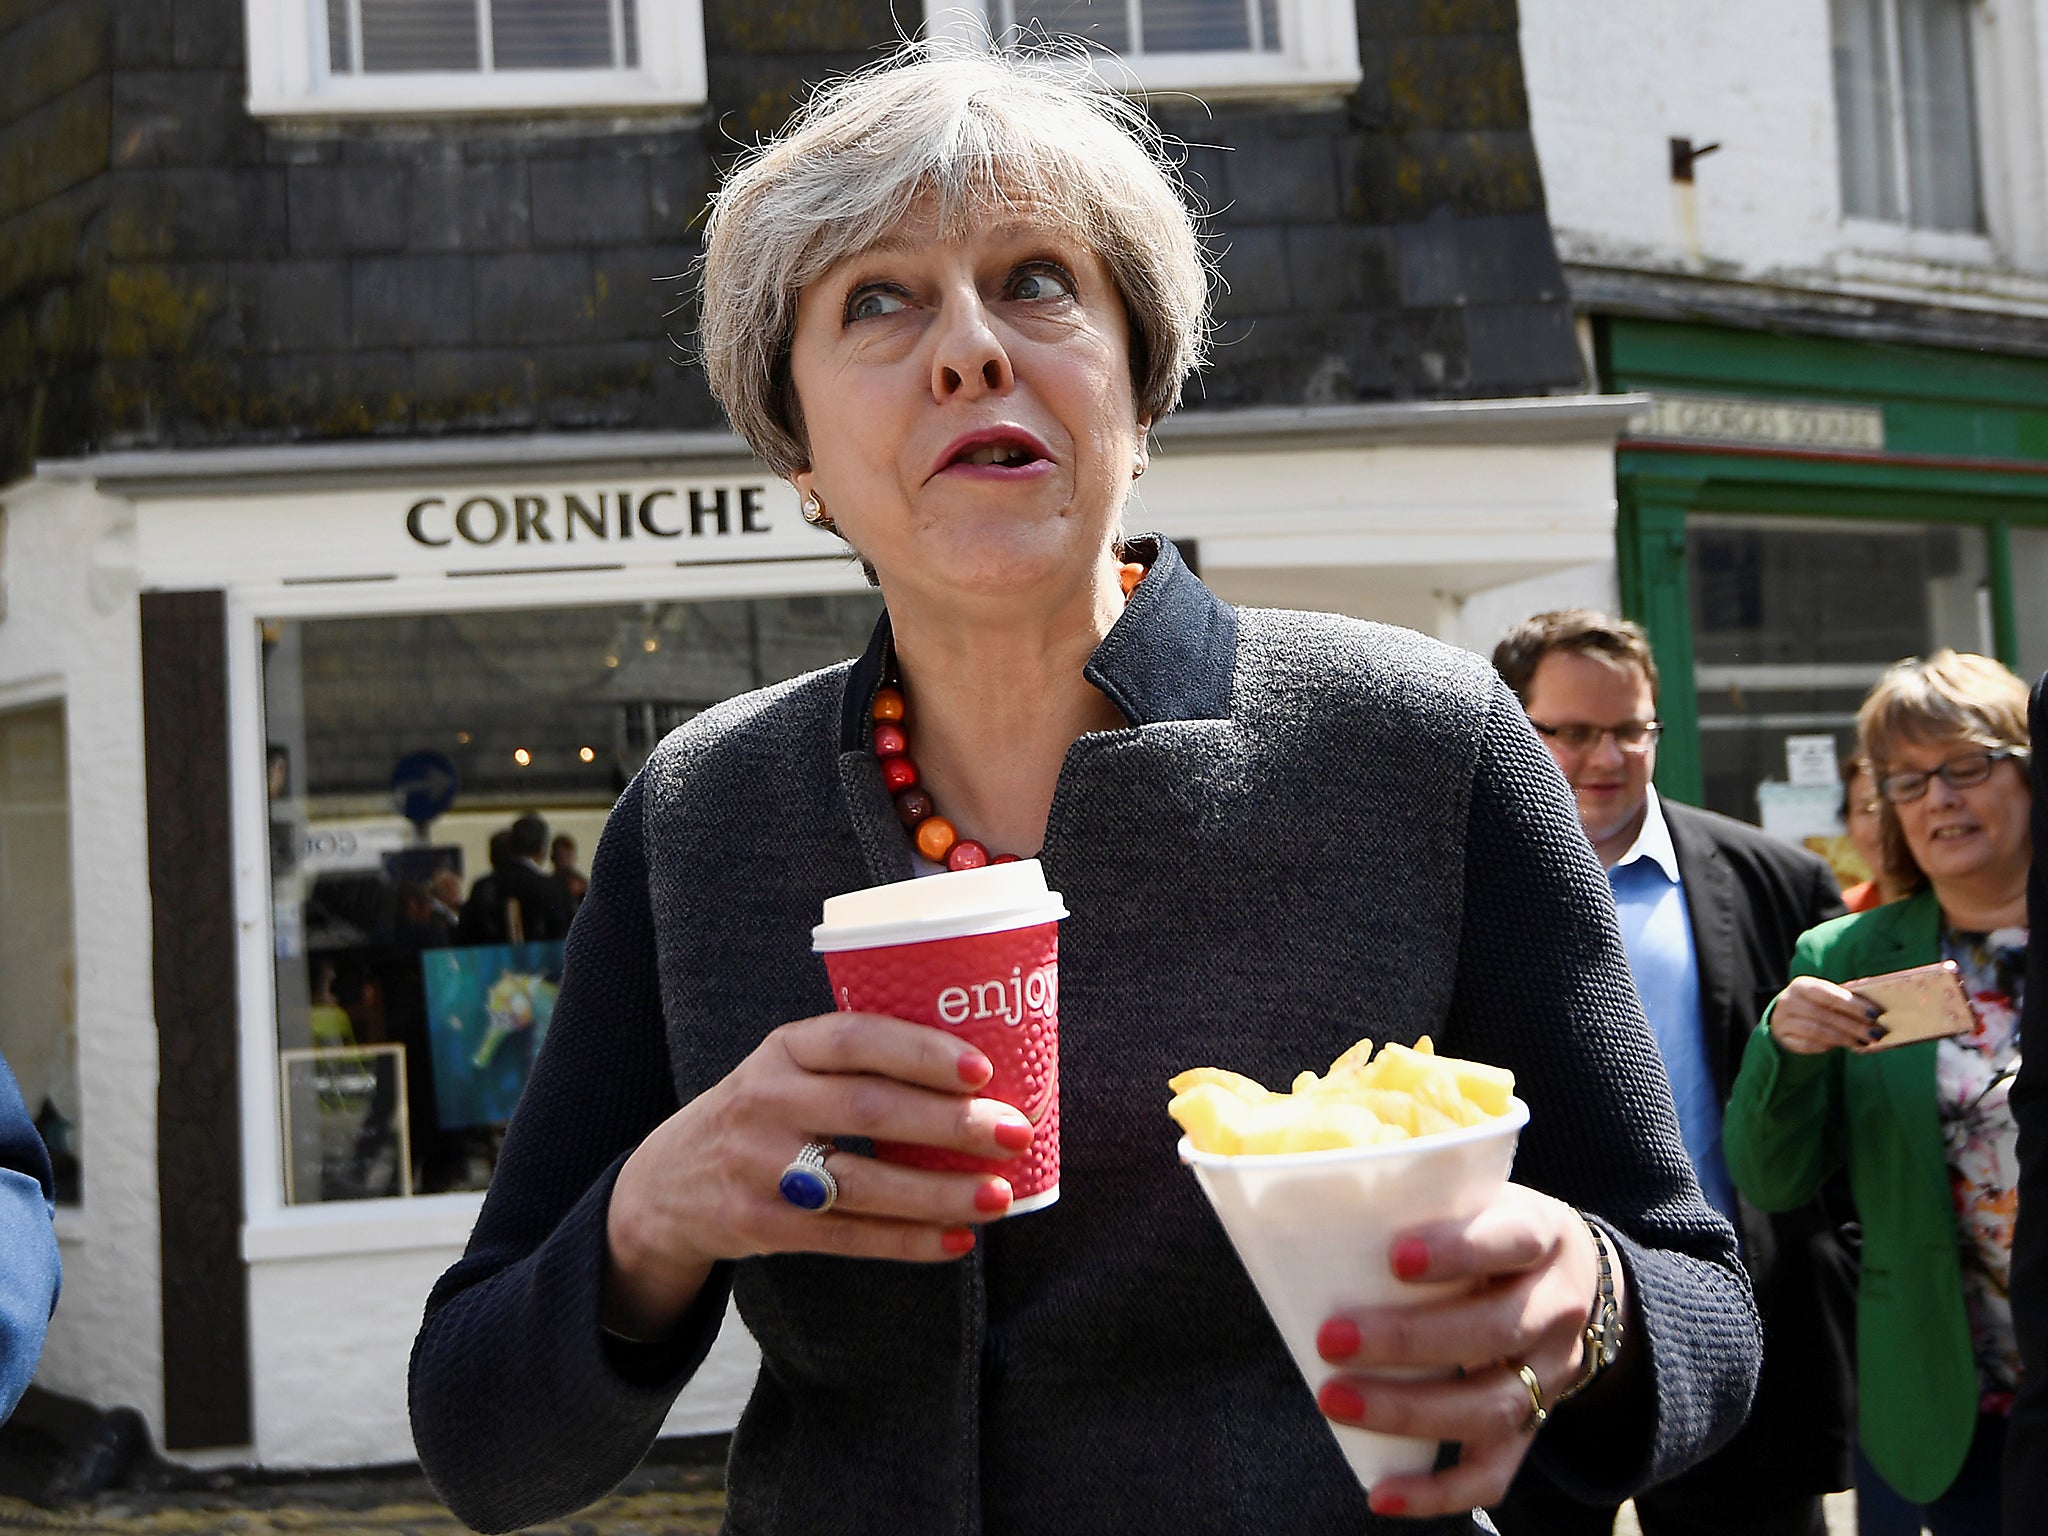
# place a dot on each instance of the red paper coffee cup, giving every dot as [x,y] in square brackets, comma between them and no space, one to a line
[974,952]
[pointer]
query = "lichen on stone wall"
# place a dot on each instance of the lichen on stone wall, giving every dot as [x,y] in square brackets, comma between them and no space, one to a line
[155,311]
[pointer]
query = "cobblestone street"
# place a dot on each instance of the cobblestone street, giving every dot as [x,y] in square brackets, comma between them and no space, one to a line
[657,1501]
[660,1499]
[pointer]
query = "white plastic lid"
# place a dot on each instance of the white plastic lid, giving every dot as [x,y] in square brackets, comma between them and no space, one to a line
[954,905]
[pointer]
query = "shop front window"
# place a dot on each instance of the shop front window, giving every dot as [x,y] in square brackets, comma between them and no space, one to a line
[2029,548]
[437,784]
[38,977]
[1793,621]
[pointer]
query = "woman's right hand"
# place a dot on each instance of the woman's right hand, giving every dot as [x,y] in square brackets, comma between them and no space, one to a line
[705,1185]
[1812,1016]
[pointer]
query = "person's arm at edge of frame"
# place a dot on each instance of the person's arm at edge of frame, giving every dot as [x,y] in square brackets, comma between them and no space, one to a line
[523,1408]
[1780,1134]
[1584,1059]
[30,1272]
[2026,1443]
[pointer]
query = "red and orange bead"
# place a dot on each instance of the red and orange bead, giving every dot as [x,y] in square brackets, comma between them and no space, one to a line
[936,838]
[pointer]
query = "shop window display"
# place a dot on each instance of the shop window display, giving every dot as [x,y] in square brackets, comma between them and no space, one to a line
[2029,548]
[38,977]
[434,781]
[1793,620]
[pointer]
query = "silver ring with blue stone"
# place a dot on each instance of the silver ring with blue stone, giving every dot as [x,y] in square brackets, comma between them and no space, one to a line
[807,1183]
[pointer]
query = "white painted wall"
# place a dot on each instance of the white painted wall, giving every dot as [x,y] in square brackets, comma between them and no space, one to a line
[71,631]
[1609,86]
[331,1332]
[1457,541]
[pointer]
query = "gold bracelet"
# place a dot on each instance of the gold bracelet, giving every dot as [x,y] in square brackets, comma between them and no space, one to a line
[1602,1334]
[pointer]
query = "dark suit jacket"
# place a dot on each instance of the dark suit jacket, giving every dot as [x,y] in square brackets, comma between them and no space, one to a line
[543,904]
[1103,1365]
[1751,895]
[2026,1444]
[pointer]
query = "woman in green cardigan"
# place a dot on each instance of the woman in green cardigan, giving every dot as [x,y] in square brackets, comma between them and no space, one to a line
[1924,1130]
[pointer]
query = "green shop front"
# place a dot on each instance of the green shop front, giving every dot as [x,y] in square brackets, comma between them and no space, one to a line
[1798,512]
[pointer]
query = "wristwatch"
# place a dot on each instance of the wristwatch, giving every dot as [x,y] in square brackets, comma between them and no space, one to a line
[1603,1322]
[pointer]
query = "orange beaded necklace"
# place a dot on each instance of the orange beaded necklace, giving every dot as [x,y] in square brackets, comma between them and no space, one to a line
[936,838]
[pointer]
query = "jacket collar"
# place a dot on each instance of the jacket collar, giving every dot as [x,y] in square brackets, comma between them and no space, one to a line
[1907,931]
[1653,843]
[1170,656]
[1711,899]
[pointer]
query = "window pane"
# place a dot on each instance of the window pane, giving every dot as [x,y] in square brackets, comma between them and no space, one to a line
[1101,22]
[1863,110]
[340,57]
[632,30]
[1269,25]
[38,1013]
[551,34]
[414,980]
[1941,130]
[1196,26]
[1794,619]
[2030,601]
[400,35]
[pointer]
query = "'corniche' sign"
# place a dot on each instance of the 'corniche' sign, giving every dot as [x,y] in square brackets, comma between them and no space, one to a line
[584,517]
[1771,423]
[526,523]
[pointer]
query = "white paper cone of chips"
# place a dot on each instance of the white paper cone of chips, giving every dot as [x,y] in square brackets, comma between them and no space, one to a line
[1316,1231]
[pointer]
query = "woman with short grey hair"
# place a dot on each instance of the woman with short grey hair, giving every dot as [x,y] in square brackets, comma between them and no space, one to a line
[949,304]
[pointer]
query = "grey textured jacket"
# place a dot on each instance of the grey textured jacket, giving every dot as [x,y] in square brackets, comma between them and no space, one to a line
[1314,829]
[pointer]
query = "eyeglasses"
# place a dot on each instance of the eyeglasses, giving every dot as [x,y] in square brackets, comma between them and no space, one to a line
[1630,736]
[1965,772]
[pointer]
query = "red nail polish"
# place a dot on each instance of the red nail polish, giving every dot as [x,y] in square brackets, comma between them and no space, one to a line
[995,1195]
[1338,1400]
[1411,1258]
[1388,1504]
[975,1069]
[1013,1135]
[957,1240]
[1337,1339]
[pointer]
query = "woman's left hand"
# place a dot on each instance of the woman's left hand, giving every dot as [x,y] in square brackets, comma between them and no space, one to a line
[1537,1272]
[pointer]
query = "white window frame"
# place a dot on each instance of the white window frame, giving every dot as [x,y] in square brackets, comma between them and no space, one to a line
[271,1227]
[289,74]
[1318,53]
[2008,63]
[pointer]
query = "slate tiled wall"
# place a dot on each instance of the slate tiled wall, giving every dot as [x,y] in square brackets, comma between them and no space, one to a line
[172,272]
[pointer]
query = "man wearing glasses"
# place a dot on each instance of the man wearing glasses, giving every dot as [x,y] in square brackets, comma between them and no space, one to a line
[1710,910]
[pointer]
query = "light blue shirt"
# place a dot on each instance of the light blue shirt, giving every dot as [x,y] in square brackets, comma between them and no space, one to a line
[1656,930]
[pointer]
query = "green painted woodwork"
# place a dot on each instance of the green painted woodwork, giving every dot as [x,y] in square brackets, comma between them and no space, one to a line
[2005,629]
[1936,401]
[1942,405]
[1655,593]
